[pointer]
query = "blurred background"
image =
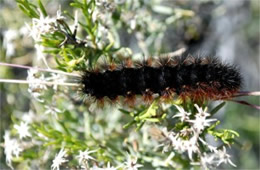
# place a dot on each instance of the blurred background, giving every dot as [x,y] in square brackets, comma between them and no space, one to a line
[227,29]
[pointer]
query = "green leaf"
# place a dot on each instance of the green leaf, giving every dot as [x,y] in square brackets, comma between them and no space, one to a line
[139,126]
[129,124]
[77,4]
[214,125]
[27,8]
[42,8]
[55,142]
[24,10]
[150,112]
[30,153]
[217,108]
[225,135]
[124,111]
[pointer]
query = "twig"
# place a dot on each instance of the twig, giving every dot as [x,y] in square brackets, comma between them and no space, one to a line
[40,69]
[40,82]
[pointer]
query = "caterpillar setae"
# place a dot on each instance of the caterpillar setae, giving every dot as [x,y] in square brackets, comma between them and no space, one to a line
[188,77]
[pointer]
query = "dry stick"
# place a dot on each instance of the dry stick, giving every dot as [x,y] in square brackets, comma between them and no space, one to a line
[41,69]
[40,82]
[247,93]
[245,103]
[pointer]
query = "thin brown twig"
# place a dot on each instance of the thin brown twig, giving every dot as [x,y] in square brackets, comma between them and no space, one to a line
[247,93]
[246,103]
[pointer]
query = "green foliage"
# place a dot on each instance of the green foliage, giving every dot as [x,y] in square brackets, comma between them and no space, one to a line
[227,136]
[29,8]
[144,114]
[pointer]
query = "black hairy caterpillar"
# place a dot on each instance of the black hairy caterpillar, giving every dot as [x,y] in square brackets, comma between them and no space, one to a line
[187,76]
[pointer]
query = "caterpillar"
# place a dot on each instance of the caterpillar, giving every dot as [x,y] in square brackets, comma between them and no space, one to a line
[195,78]
[189,77]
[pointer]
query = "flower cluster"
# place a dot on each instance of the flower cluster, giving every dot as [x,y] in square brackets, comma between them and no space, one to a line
[52,110]
[189,139]
[38,82]
[36,87]
[43,25]
[23,130]
[12,148]
[102,17]
[59,160]
[56,79]
[84,157]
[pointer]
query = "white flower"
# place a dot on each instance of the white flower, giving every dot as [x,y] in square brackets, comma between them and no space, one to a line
[36,95]
[56,79]
[181,145]
[215,158]
[201,112]
[211,148]
[9,36]
[59,159]
[200,123]
[191,146]
[207,161]
[28,117]
[52,110]
[84,156]
[166,144]
[103,36]
[39,51]
[8,149]
[44,25]
[36,87]
[32,73]
[59,15]
[224,157]
[131,163]
[12,148]
[184,116]
[41,26]
[23,130]
[176,142]
[35,84]
[166,133]
[24,31]
[186,132]
[201,120]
